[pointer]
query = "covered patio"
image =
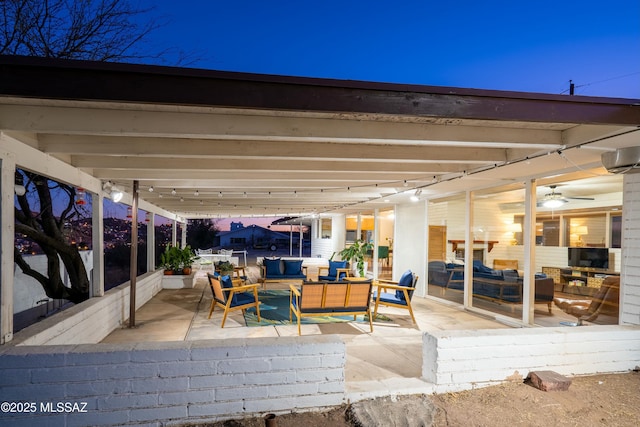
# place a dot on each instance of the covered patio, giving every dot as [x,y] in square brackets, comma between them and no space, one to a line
[387,362]
[189,144]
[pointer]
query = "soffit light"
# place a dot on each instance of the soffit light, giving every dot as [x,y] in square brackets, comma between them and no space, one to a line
[113,191]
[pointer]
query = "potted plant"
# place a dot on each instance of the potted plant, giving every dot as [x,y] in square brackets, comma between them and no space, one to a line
[356,253]
[171,259]
[187,257]
[225,268]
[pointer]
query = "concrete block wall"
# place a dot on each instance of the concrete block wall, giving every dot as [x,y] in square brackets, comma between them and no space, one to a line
[104,314]
[462,360]
[169,383]
[630,274]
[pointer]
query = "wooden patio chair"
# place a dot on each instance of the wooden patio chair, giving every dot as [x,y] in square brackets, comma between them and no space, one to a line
[230,297]
[396,294]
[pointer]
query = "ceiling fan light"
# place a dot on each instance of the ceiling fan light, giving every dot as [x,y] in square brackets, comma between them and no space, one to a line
[553,203]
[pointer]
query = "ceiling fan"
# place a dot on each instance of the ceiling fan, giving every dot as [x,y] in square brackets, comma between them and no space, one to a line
[555,200]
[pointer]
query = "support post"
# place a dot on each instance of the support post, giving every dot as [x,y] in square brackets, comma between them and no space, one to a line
[134,257]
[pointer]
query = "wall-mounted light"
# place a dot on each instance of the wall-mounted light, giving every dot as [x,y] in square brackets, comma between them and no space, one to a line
[112,191]
[19,189]
[416,195]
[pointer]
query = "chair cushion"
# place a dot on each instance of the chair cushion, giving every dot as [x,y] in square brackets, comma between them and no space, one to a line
[292,267]
[405,280]
[242,298]
[334,265]
[390,298]
[272,266]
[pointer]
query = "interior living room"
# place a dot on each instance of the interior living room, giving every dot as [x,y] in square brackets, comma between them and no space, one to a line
[577,244]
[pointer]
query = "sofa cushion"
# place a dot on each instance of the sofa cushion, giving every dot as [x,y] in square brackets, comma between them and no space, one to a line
[292,267]
[272,267]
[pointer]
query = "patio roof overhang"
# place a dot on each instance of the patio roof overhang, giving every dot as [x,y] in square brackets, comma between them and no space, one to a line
[234,144]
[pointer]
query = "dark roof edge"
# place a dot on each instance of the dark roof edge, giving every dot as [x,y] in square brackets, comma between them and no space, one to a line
[296,80]
[47,78]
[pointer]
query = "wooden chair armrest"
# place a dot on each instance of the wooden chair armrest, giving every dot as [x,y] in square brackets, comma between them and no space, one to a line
[242,288]
[304,270]
[396,287]
[321,269]
[342,270]
[391,282]
[294,290]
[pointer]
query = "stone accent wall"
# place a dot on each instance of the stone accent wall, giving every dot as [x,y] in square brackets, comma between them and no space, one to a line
[170,383]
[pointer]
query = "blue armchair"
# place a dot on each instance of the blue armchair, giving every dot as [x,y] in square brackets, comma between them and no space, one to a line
[337,270]
[396,294]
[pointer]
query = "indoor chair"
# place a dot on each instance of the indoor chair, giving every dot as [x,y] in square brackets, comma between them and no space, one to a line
[230,297]
[605,301]
[396,294]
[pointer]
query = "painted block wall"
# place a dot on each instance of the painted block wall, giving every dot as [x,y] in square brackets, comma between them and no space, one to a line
[630,274]
[105,314]
[171,382]
[462,360]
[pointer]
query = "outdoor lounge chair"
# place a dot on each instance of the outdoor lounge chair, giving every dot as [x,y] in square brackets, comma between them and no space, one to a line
[232,298]
[396,294]
[605,301]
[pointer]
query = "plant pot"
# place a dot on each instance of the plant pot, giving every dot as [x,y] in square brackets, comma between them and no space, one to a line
[168,272]
[186,270]
[355,271]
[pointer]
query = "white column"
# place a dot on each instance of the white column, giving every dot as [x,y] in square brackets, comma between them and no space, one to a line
[529,242]
[151,242]
[97,239]
[376,236]
[467,299]
[7,232]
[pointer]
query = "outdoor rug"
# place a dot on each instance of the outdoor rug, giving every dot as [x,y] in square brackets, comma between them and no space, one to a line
[274,310]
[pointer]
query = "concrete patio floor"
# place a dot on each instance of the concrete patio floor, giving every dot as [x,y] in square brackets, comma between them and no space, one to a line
[385,362]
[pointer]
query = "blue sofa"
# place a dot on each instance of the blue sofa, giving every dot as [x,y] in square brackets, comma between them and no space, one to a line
[278,269]
[497,285]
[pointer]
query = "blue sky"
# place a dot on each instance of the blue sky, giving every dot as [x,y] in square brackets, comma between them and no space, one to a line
[508,45]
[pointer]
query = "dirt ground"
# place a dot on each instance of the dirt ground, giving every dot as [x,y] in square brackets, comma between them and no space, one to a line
[600,400]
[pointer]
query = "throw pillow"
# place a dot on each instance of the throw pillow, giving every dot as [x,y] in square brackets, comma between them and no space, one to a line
[405,280]
[334,265]
[272,266]
[293,268]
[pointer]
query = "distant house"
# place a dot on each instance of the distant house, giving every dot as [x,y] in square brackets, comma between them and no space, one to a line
[253,236]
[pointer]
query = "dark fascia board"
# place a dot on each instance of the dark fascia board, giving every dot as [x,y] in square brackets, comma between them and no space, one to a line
[48,78]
